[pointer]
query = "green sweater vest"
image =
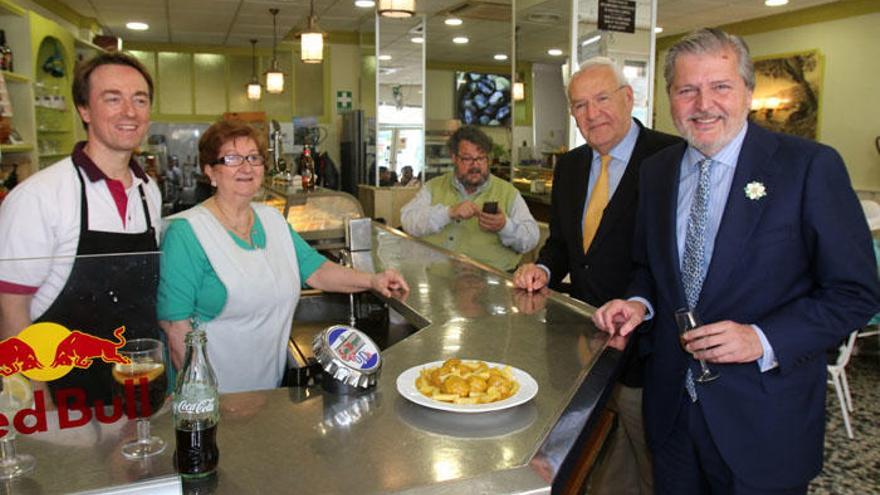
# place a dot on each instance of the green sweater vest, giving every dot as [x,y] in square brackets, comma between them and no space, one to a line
[465,236]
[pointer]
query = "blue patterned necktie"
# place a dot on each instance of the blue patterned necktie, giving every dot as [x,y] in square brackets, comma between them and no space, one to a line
[694,251]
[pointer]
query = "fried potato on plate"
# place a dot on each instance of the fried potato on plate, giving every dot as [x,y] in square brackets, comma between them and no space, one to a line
[467,382]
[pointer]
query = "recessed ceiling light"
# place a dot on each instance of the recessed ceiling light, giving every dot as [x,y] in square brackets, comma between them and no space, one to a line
[775,3]
[417,39]
[453,21]
[137,26]
[364,4]
[384,57]
[658,29]
[460,40]
[591,40]
[500,56]
[554,51]
[545,18]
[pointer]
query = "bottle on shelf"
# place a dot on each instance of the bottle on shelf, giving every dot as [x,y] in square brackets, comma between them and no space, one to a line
[307,170]
[196,410]
[6,61]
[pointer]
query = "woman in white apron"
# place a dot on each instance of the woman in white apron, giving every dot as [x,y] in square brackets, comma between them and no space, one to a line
[238,267]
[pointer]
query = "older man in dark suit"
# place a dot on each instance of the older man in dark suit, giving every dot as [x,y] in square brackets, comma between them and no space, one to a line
[595,194]
[762,235]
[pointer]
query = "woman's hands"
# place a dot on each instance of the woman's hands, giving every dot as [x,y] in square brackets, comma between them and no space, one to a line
[388,282]
[332,277]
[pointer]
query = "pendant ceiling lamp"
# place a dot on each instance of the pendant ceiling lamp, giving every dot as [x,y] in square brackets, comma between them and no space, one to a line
[274,76]
[397,8]
[312,40]
[254,89]
[519,89]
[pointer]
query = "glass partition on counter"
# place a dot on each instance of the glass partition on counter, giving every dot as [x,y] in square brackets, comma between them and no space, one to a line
[543,34]
[469,81]
[400,99]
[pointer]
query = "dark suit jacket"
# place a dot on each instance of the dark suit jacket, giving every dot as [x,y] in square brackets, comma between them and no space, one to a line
[798,263]
[603,272]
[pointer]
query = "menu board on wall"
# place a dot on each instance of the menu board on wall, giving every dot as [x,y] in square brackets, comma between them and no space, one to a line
[617,15]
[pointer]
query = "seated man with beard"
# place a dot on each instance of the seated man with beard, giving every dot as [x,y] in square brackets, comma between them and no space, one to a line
[470,211]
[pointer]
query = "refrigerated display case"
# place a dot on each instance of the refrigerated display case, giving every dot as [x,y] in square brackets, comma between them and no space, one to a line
[318,216]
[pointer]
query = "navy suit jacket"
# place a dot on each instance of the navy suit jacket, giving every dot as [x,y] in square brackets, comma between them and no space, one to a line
[798,263]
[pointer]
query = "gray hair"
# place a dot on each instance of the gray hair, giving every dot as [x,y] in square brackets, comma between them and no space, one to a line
[597,62]
[711,40]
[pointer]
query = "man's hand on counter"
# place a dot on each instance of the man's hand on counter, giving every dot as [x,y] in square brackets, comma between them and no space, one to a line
[389,283]
[530,277]
[619,317]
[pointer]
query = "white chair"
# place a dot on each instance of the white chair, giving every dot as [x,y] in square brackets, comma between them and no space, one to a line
[872,213]
[837,377]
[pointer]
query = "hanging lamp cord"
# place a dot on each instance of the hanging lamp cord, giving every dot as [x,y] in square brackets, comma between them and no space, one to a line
[253,59]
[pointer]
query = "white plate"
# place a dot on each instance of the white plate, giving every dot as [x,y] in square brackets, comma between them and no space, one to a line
[406,385]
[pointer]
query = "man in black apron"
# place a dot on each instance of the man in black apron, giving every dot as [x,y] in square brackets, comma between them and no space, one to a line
[113,93]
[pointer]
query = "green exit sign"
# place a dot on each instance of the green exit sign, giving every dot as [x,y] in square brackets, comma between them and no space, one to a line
[343,101]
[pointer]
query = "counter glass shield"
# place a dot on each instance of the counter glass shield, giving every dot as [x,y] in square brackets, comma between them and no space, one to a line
[89,356]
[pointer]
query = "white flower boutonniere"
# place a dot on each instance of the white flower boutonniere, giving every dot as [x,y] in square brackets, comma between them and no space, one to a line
[755,190]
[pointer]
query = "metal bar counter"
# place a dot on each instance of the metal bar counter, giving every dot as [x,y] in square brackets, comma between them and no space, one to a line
[307,440]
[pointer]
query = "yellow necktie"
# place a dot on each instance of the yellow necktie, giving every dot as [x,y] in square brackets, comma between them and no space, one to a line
[598,201]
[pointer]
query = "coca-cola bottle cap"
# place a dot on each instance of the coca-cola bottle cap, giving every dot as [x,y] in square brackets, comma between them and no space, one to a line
[348,355]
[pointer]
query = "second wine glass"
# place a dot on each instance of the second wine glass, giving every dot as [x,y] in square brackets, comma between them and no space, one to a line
[15,395]
[687,320]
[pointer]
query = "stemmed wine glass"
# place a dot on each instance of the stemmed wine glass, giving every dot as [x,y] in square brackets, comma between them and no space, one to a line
[146,368]
[16,394]
[687,320]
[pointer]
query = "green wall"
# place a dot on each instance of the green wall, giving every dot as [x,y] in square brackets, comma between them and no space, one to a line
[200,84]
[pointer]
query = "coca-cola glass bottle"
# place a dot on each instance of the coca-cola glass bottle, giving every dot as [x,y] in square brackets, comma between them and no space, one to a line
[196,411]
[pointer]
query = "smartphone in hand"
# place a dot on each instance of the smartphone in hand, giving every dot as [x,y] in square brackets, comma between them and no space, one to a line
[490,207]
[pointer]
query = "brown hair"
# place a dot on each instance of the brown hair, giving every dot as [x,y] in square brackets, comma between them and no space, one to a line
[472,134]
[221,133]
[83,71]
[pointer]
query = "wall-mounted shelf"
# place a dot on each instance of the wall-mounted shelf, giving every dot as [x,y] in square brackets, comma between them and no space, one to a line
[87,44]
[16,148]
[52,155]
[13,77]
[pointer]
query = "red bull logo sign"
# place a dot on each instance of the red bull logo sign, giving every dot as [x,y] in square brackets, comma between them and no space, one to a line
[48,351]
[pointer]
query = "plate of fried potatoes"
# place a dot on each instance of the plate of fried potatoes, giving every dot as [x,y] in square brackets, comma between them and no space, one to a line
[466,385]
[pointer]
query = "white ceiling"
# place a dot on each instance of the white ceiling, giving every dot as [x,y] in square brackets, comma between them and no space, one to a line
[542,23]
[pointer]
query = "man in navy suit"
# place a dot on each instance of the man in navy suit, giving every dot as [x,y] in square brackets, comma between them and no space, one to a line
[762,235]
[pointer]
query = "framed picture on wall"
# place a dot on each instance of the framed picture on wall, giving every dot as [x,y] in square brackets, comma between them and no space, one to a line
[788,90]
